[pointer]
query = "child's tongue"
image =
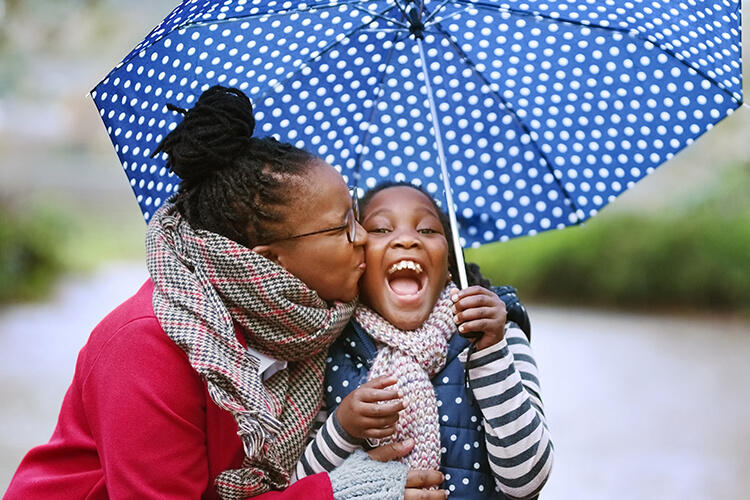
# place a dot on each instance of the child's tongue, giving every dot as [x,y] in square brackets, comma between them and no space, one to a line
[404,286]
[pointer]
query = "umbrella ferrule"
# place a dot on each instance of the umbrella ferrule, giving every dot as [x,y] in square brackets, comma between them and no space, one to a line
[416,26]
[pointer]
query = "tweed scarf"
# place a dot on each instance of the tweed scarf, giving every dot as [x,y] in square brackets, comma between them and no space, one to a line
[205,284]
[414,357]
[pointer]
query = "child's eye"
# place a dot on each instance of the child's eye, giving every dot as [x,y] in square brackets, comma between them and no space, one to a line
[427,230]
[379,230]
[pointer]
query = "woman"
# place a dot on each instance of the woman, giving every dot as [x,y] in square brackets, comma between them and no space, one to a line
[205,383]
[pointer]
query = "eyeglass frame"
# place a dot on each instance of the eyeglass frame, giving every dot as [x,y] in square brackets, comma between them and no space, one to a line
[350,223]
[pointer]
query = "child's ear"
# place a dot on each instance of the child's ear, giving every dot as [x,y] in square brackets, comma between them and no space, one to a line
[268,252]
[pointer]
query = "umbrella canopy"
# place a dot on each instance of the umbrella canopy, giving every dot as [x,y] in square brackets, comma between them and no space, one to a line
[527,116]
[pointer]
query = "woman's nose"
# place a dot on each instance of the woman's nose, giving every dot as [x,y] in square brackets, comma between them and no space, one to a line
[360,235]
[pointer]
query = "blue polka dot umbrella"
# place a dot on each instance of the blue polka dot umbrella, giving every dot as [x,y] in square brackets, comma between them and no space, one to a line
[521,116]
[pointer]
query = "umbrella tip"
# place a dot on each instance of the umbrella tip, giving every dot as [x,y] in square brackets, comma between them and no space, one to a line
[416,26]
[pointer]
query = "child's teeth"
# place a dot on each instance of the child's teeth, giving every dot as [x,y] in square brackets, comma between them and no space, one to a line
[405,264]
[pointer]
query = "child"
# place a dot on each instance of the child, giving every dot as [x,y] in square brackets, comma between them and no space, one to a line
[403,335]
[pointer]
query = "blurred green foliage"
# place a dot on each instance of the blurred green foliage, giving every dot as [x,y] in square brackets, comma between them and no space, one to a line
[40,244]
[696,260]
[30,257]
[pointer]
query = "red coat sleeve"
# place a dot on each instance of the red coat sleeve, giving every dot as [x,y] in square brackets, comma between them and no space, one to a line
[315,487]
[146,408]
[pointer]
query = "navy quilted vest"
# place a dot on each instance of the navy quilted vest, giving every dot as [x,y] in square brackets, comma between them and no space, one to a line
[464,456]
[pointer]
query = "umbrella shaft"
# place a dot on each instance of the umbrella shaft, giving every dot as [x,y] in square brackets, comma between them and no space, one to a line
[456,240]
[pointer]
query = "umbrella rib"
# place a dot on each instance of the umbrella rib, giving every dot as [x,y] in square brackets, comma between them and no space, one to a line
[379,15]
[354,4]
[366,135]
[435,11]
[625,31]
[509,108]
[316,57]
[698,70]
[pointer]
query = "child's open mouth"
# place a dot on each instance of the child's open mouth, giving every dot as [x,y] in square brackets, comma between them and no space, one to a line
[405,278]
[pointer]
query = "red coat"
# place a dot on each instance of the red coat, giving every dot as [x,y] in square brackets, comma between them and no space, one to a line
[137,422]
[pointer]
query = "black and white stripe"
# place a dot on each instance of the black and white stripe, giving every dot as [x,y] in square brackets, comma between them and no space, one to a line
[329,447]
[505,381]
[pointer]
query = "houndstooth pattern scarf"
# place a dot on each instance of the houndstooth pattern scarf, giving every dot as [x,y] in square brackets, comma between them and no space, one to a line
[204,285]
[414,357]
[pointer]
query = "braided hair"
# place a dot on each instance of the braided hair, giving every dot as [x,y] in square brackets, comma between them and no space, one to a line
[232,184]
[473,276]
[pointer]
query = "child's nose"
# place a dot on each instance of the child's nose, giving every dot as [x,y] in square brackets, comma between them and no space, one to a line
[407,238]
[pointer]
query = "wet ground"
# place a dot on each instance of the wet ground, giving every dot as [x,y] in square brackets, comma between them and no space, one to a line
[639,406]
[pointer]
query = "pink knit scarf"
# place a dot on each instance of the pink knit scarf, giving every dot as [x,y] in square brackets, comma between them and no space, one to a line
[414,357]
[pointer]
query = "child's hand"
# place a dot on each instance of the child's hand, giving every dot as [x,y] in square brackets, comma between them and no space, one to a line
[479,312]
[371,410]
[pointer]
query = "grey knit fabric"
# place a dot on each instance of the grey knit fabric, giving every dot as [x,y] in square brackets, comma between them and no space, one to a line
[362,478]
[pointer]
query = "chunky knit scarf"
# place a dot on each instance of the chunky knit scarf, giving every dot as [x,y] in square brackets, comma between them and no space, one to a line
[414,357]
[205,284]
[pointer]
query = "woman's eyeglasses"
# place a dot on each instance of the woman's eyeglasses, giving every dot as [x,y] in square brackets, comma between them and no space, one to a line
[350,224]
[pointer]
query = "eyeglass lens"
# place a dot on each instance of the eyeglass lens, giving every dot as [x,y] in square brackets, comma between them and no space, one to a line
[352,216]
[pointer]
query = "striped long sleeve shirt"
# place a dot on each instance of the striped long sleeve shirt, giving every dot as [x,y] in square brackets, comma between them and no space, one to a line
[505,383]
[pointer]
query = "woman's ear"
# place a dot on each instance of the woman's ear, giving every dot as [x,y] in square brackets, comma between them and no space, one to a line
[268,252]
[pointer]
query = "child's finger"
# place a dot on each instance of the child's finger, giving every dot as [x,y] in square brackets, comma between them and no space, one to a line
[386,410]
[392,451]
[375,396]
[476,312]
[455,293]
[469,301]
[381,382]
[380,432]
[472,329]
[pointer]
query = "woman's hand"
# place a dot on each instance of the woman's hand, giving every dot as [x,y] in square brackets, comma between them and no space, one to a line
[418,482]
[479,312]
[371,410]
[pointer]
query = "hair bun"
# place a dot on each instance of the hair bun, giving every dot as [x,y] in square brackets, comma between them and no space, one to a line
[213,134]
